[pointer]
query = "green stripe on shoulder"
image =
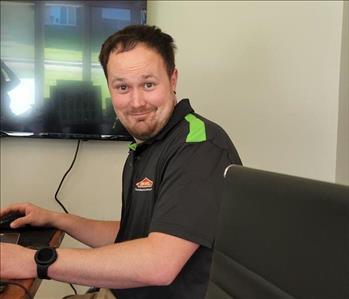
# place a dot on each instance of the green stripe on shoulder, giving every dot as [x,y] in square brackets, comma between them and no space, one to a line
[197,130]
[132,146]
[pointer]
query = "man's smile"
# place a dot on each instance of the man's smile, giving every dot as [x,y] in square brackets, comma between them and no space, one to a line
[141,115]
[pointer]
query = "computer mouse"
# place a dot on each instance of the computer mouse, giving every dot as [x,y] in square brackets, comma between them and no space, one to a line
[6,220]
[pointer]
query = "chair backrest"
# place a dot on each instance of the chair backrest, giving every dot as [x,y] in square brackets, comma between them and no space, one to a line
[280,236]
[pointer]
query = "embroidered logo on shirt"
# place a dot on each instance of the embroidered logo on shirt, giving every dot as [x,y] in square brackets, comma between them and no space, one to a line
[144,185]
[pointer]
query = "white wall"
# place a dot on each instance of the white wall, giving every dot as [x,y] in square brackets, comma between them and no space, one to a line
[268,72]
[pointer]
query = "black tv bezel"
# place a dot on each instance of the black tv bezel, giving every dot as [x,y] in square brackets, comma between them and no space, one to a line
[85,137]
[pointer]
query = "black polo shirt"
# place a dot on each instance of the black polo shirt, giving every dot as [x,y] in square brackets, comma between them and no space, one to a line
[172,183]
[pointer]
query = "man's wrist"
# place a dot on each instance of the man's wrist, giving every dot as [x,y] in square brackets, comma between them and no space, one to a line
[44,258]
[57,220]
[32,265]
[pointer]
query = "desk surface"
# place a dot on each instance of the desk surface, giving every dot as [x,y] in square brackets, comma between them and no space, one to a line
[32,285]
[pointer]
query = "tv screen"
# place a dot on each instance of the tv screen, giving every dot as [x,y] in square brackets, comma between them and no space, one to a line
[52,84]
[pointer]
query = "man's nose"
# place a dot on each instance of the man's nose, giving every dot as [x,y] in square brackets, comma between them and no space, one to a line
[137,98]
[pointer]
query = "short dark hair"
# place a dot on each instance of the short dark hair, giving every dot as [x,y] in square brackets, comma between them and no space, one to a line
[127,38]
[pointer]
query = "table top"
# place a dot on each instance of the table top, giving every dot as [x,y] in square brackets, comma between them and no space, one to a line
[32,285]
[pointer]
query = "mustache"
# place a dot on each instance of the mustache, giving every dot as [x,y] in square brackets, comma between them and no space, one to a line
[141,110]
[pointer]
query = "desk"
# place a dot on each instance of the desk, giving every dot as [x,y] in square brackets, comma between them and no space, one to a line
[32,285]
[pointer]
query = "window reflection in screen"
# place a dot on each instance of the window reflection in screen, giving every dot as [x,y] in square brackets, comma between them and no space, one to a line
[17,58]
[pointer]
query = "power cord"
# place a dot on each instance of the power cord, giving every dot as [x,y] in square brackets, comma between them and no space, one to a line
[59,188]
[74,289]
[5,283]
[60,184]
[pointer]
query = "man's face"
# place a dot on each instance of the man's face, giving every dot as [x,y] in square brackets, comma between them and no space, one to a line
[141,90]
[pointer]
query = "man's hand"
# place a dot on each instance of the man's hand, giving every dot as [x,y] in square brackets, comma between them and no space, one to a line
[94,233]
[16,262]
[33,215]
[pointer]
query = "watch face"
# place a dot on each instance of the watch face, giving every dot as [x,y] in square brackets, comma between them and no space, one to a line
[46,255]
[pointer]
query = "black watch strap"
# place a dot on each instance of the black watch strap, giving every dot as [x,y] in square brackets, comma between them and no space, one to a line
[45,257]
[42,271]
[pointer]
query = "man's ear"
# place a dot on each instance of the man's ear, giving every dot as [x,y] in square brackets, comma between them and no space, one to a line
[173,79]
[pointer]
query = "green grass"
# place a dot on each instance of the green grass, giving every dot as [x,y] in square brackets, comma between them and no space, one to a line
[11,49]
[63,55]
[15,50]
[68,55]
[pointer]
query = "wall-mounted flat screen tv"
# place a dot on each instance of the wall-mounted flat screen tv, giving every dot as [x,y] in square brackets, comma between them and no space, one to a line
[52,84]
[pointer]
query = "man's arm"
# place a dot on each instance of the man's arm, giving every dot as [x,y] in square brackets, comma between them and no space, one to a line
[94,233]
[155,260]
[91,232]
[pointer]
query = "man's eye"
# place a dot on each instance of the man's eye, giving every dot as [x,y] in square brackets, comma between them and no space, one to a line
[121,87]
[148,85]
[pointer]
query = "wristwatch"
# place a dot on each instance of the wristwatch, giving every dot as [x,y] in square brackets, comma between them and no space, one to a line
[44,257]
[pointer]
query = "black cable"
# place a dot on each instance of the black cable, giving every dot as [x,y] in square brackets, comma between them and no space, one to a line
[74,289]
[18,285]
[60,184]
[59,188]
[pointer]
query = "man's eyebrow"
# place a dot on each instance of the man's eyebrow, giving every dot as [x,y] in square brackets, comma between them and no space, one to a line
[123,80]
[149,76]
[117,79]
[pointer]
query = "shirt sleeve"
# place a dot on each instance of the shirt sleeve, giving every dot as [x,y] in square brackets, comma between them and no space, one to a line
[190,193]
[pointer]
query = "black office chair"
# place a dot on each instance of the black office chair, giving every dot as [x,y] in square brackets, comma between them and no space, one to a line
[280,236]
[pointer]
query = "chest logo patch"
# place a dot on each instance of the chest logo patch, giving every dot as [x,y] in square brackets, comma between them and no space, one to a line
[144,185]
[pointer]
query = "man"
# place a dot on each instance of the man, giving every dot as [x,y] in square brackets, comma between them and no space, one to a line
[172,185]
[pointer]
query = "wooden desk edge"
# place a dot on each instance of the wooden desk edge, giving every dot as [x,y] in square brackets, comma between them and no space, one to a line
[32,285]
